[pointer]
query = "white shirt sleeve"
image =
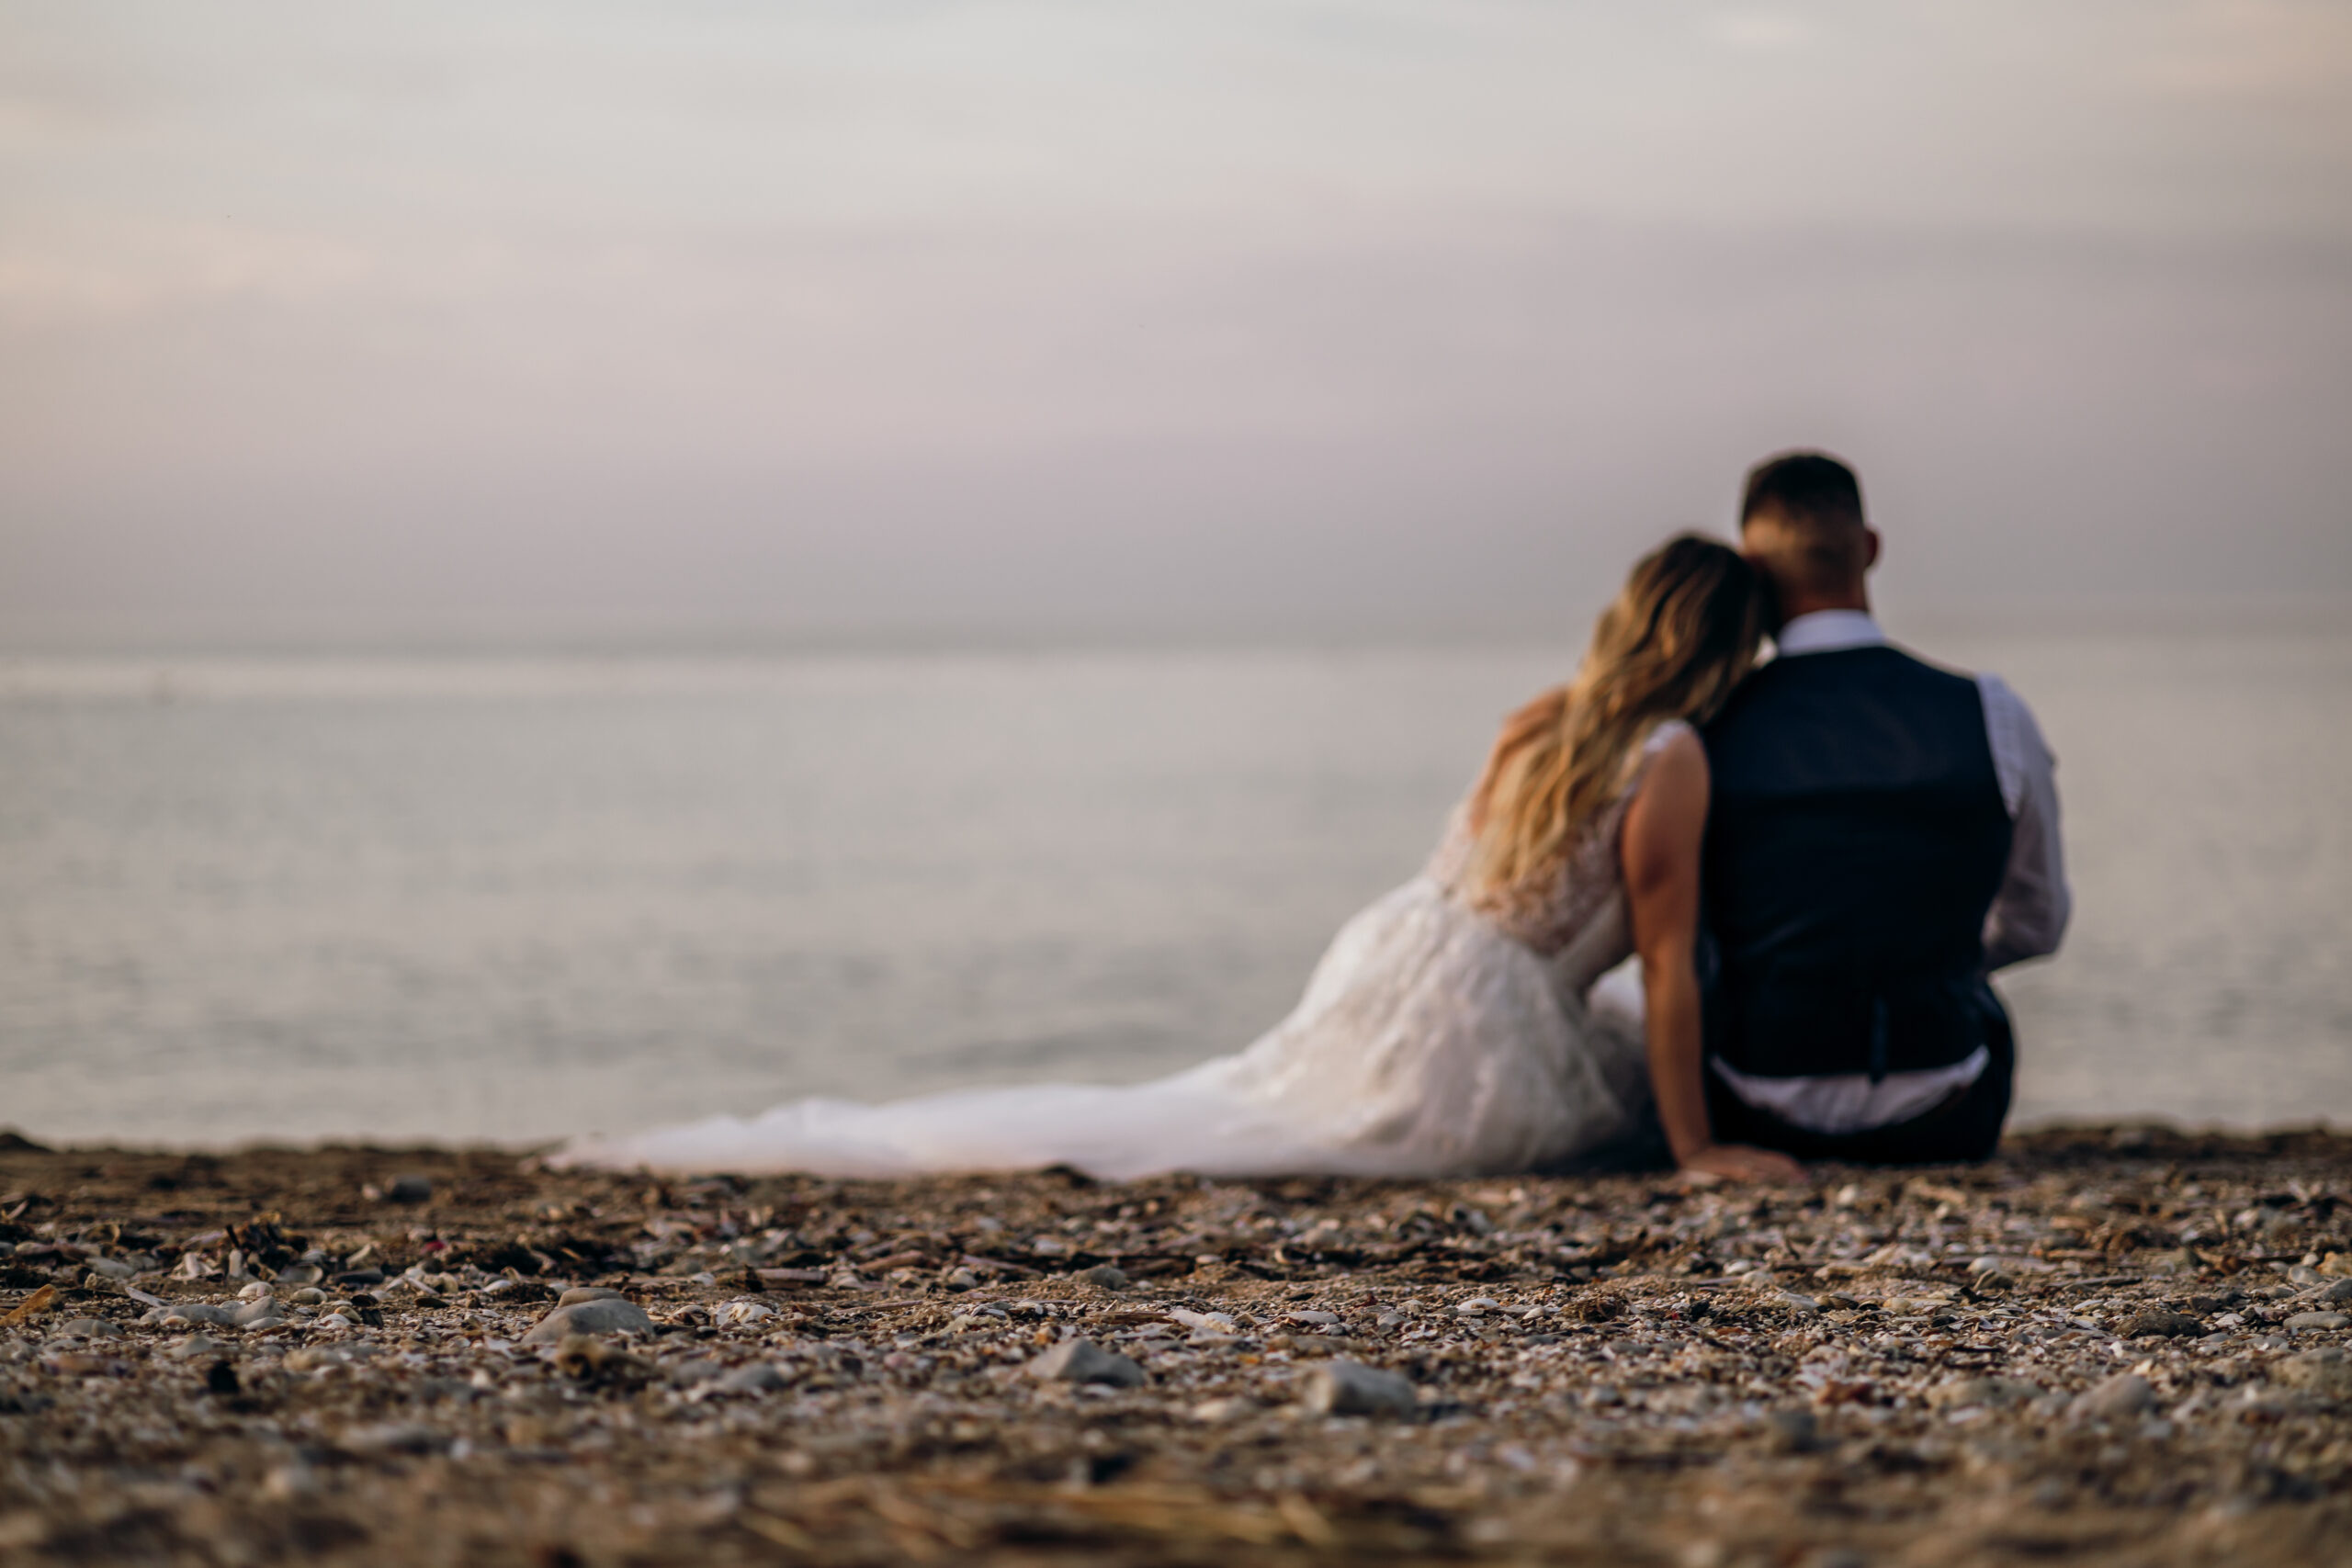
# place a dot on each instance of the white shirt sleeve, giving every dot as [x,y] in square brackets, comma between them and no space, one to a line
[2029,913]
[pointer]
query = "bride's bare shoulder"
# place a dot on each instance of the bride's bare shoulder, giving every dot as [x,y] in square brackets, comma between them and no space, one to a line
[1670,774]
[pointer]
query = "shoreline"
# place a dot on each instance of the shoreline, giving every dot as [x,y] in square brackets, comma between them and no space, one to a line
[2119,1344]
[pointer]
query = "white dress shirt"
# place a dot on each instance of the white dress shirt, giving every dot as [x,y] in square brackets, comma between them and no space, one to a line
[2027,918]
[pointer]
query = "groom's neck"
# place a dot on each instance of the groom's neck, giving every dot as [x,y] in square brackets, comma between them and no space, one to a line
[1800,601]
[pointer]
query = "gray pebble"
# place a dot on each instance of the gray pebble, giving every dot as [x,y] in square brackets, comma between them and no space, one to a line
[606,1315]
[1081,1361]
[2159,1322]
[403,1438]
[1350,1388]
[2316,1322]
[194,1312]
[2124,1395]
[579,1294]
[756,1377]
[411,1189]
[1105,1276]
[1795,1430]
[89,1328]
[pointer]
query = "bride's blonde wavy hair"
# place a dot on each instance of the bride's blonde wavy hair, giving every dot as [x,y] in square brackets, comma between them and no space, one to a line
[1682,633]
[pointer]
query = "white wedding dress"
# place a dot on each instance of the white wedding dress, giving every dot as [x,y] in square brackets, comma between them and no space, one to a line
[1435,1038]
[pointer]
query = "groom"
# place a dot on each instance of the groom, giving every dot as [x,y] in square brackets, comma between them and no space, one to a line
[1882,835]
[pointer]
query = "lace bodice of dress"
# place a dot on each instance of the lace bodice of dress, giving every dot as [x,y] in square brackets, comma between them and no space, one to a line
[1583,905]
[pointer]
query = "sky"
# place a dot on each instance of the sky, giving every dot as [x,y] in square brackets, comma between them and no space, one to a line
[507,322]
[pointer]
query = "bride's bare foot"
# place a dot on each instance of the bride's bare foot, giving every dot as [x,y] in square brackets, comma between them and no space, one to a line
[1740,1162]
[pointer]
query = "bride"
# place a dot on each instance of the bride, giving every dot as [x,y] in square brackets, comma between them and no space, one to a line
[1447,1029]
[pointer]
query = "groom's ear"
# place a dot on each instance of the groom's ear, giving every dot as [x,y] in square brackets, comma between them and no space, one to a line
[1870,548]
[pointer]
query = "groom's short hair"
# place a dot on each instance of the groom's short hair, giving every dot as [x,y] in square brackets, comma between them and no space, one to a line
[1803,489]
[1801,520]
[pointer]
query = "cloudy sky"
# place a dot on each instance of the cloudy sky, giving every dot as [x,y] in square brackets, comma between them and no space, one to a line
[510,322]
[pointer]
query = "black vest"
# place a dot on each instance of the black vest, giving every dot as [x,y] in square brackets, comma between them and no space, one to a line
[1855,841]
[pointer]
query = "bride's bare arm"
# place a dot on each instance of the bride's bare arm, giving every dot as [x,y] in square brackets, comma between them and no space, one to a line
[1664,827]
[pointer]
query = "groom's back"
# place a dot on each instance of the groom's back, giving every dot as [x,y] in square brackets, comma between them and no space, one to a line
[1857,839]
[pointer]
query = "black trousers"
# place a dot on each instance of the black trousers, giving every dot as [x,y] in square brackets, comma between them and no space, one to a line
[1963,1130]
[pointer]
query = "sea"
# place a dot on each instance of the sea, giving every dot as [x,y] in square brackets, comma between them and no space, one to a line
[508,898]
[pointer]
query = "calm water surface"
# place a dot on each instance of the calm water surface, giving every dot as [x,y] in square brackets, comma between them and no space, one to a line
[509,898]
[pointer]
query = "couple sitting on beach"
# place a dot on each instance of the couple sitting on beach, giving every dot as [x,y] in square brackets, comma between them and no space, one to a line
[1818,858]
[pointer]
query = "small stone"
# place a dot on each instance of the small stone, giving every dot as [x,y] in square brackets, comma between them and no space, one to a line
[297,1274]
[261,1313]
[745,1312]
[2316,1322]
[1083,1361]
[287,1482]
[193,1312]
[2330,1294]
[254,1292]
[411,1189]
[606,1315]
[1796,1302]
[401,1437]
[757,1377]
[1312,1319]
[2326,1373]
[1350,1388]
[1206,1322]
[89,1328]
[1103,1277]
[2160,1323]
[1793,1431]
[2122,1395]
[585,1360]
[579,1294]
[195,1345]
[1992,1394]
[1217,1412]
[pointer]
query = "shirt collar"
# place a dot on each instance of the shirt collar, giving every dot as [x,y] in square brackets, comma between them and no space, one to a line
[1829,631]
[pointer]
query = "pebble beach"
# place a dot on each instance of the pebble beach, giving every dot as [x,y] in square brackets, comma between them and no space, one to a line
[2124,1346]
